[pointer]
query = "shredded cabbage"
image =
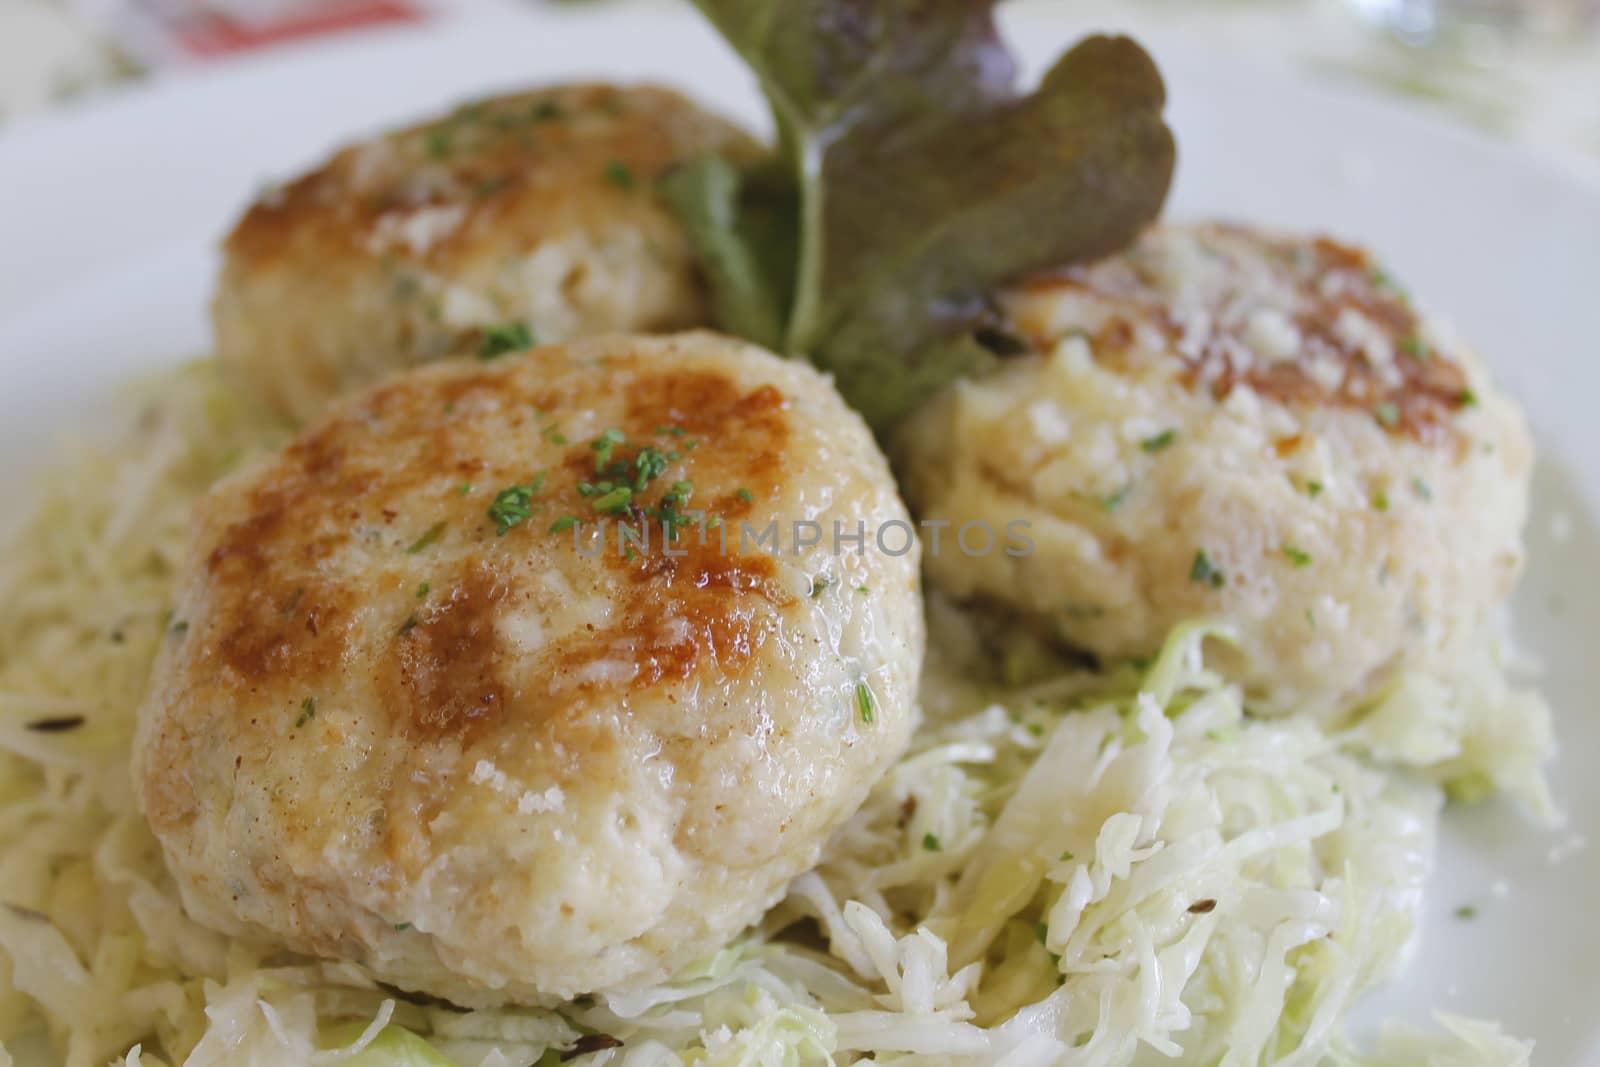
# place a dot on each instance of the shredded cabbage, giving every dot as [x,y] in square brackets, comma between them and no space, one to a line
[1118,869]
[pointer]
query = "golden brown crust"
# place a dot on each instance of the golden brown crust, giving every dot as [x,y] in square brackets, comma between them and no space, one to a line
[525,168]
[1325,280]
[342,488]
[397,701]
[539,209]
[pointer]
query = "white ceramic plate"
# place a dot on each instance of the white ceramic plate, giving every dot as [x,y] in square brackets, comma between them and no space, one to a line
[108,218]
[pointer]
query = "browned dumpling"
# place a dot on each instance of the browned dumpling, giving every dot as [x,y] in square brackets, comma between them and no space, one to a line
[427,712]
[1227,424]
[521,217]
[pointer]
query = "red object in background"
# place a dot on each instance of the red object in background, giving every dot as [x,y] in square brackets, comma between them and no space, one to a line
[173,31]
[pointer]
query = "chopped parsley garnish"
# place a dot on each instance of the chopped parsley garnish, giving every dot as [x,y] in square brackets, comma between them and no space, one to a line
[429,538]
[1466,911]
[745,495]
[1041,930]
[564,523]
[422,590]
[507,337]
[1467,398]
[1313,489]
[411,623]
[1159,441]
[603,447]
[1423,490]
[1387,414]
[865,703]
[1067,857]
[1380,501]
[513,505]
[821,584]
[1297,556]
[180,627]
[670,431]
[1205,572]
[648,465]
[614,501]
[1382,279]
[465,488]
[620,174]
[1415,347]
[308,711]
[402,927]
[863,589]
[1114,501]
[930,843]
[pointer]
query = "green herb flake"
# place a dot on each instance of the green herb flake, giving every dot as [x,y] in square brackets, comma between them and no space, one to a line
[1297,556]
[1160,441]
[402,927]
[863,589]
[1382,279]
[670,431]
[1380,500]
[1466,911]
[614,501]
[1041,931]
[411,623]
[437,144]
[1205,572]
[1387,414]
[513,505]
[745,495]
[564,523]
[821,584]
[423,590]
[930,843]
[507,337]
[648,465]
[180,627]
[1067,857]
[465,489]
[1467,398]
[308,711]
[429,538]
[603,446]
[1313,489]
[1115,500]
[1415,347]
[1423,490]
[620,174]
[865,703]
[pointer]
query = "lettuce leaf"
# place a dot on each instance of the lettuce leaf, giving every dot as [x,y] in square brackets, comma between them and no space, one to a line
[912,179]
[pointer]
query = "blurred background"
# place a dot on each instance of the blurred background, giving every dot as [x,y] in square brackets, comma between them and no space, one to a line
[1525,70]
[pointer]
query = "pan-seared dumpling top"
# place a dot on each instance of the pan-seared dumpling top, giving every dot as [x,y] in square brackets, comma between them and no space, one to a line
[1236,425]
[425,709]
[526,217]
